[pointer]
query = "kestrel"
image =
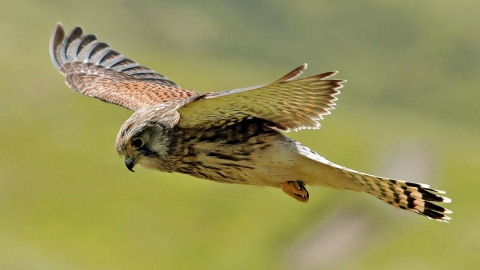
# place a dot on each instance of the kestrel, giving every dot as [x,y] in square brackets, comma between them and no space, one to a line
[230,136]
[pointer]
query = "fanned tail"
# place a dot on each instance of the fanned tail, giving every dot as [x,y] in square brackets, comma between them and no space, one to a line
[415,197]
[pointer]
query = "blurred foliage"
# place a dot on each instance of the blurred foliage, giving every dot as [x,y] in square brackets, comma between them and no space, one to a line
[68,202]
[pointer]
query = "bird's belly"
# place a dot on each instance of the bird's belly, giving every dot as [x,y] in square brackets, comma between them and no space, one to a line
[259,161]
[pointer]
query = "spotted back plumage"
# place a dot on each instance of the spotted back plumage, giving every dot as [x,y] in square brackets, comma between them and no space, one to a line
[219,152]
[231,136]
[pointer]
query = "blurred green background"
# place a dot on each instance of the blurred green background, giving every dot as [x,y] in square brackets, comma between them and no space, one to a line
[410,110]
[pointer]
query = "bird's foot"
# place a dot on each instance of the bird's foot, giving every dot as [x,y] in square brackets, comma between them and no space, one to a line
[296,190]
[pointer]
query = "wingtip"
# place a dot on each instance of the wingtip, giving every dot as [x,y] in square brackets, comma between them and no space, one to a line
[56,39]
[59,43]
[332,73]
[292,74]
[58,33]
[326,75]
[76,32]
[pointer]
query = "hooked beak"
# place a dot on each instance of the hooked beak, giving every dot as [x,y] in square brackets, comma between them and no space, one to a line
[130,163]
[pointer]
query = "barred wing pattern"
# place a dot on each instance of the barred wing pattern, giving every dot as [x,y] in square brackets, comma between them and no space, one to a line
[94,69]
[288,104]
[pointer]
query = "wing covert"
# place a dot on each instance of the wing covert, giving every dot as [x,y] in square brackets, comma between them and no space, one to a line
[288,104]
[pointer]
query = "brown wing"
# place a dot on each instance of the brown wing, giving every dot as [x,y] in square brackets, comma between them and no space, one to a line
[94,69]
[288,104]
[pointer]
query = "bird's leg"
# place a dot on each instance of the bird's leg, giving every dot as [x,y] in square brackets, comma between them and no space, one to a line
[296,190]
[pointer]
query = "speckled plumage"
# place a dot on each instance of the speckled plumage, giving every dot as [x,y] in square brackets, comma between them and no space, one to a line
[229,137]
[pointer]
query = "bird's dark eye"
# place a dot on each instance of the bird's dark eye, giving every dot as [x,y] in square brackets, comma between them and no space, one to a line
[137,143]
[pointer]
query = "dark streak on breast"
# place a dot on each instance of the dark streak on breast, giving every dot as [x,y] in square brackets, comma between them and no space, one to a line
[227,157]
[235,165]
[222,150]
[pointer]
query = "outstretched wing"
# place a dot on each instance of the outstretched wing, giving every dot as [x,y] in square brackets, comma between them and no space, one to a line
[94,69]
[288,104]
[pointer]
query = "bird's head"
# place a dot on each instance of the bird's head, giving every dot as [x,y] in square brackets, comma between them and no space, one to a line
[144,139]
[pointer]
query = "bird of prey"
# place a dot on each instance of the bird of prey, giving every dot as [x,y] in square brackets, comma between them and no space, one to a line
[231,136]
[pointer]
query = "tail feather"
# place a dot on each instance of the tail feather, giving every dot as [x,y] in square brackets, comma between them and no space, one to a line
[410,196]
